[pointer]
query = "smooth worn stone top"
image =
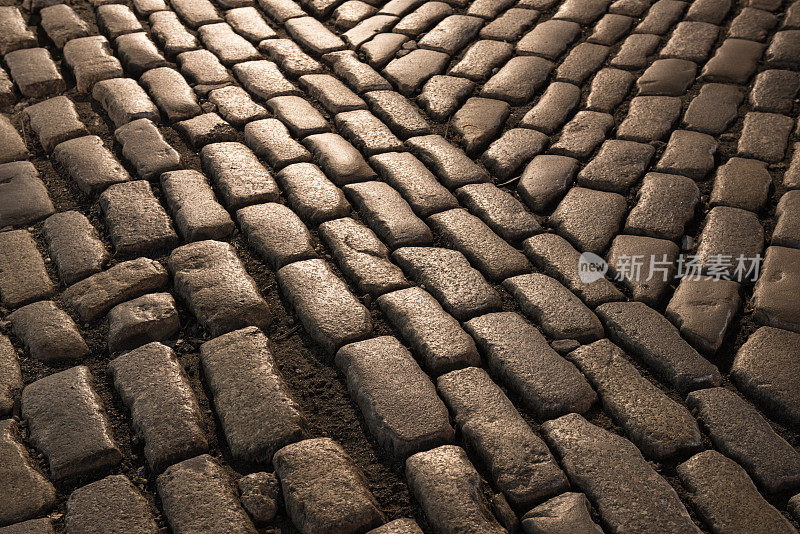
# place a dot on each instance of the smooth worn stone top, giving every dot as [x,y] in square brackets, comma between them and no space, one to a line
[49,334]
[68,424]
[628,493]
[74,246]
[396,397]
[10,377]
[323,490]
[277,234]
[92,297]
[27,199]
[112,504]
[89,163]
[447,161]
[23,277]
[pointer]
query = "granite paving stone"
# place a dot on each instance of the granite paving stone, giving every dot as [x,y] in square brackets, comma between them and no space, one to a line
[281,10]
[358,75]
[329,312]
[589,219]
[68,424]
[774,91]
[703,309]
[688,154]
[396,397]
[659,426]
[276,233]
[661,16]
[148,318]
[16,35]
[34,72]
[610,29]
[730,237]
[510,25]
[91,61]
[92,297]
[691,41]
[582,61]
[733,62]
[7,96]
[772,300]
[116,19]
[197,496]
[442,95]
[165,413]
[145,8]
[650,118]
[398,113]
[398,526]
[367,133]
[664,205]
[331,93]
[617,165]
[196,13]
[667,77]
[109,505]
[263,79]
[647,335]
[545,179]
[765,369]
[255,407]
[503,213]
[211,280]
[552,108]
[340,160]
[711,11]
[505,84]
[10,377]
[741,183]
[644,265]
[449,163]
[23,277]
[235,105]
[518,460]
[311,194]
[299,116]
[203,71]
[138,53]
[415,183]
[173,36]
[765,136]
[32,526]
[450,491]
[741,433]
[381,49]
[238,175]
[12,146]
[146,150]
[737,507]
[27,492]
[191,200]
[124,100]
[783,50]
[451,34]
[48,333]
[479,121]
[752,24]
[270,139]
[205,129]
[424,18]
[580,136]
[351,13]
[506,155]
[549,39]
[171,93]
[248,22]
[634,52]
[290,57]
[28,199]
[55,120]
[481,59]
[367,29]
[260,495]
[230,47]
[568,512]
[787,228]
[311,34]
[714,109]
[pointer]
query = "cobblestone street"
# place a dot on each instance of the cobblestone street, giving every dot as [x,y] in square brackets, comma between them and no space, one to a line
[399,267]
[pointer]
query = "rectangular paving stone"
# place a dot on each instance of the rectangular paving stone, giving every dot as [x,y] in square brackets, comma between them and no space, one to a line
[422,19]
[324,491]
[627,492]
[665,204]
[10,377]
[495,258]
[742,183]
[298,115]
[505,84]
[124,100]
[645,333]
[410,71]
[397,113]
[691,41]
[568,511]
[648,280]
[479,121]
[48,333]
[263,79]
[145,149]
[34,72]
[608,89]
[441,96]
[174,38]
[450,491]
[230,47]
[145,8]
[311,195]
[545,179]
[313,35]
[340,160]
[92,297]
[68,424]
[733,62]
[583,61]
[516,146]
[659,426]
[510,25]
[765,136]
[23,277]
[552,108]
[110,504]
[137,223]
[171,93]
[197,495]
[163,407]
[503,213]
[518,460]
[281,10]
[650,118]
[276,233]
[331,93]
[210,278]
[16,35]
[520,358]
[384,210]
[197,213]
[589,230]
[27,493]
[151,317]
[74,246]
[740,432]
[367,132]
[774,91]
[549,39]
[580,136]
[358,75]
[435,336]
[714,109]
[203,71]
[772,300]
[27,197]
[55,120]
[702,309]
[397,399]
[782,52]
[634,52]
[196,13]
[236,106]
[12,146]
[329,312]
[447,274]
[729,233]
[752,24]
[367,28]
[205,129]
[451,34]
[290,57]
[238,175]
[254,405]
[91,61]
[116,19]
[617,166]
[270,139]
[362,257]
[248,22]
[726,498]
[412,179]
[448,162]
[481,59]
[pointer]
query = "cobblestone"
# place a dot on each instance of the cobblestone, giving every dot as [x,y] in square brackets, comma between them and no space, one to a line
[568,512]
[714,109]
[197,213]
[442,95]
[23,277]
[240,178]
[112,503]
[48,333]
[34,72]
[665,204]
[703,310]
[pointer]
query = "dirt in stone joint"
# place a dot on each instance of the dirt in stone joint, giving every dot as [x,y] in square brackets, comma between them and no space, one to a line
[313,379]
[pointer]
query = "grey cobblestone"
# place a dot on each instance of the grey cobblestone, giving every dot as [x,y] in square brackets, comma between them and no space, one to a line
[23,277]
[48,333]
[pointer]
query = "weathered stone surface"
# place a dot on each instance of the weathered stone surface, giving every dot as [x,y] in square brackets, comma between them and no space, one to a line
[152,317]
[398,113]
[765,136]
[139,54]
[254,405]
[728,234]
[658,425]
[276,233]
[765,369]
[549,39]
[559,313]
[646,334]
[667,77]
[236,106]
[583,134]
[358,75]
[260,495]
[48,333]
[702,309]
[436,337]
[196,12]
[726,498]
[311,34]
[568,512]
[171,93]
[576,219]
[124,100]
[479,121]
[414,181]
[397,399]
[617,166]
[197,213]
[481,59]
[448,162]
[741,183]
[332,94]
[92,297]
[506,155]
[112,504]
[26,195]
[32,526]
[339,159]
[367,132]
[583,61]
[545,179]
[451,34]
[442,95]
[665,204]
[171,34]
[89,164]
[164,410]
[650,118]
[329,312]
[311,195]
[552,108]
[450,491]
[91,61]
[510,25]
[298,115]
[409,72]
[145,148]
[68,425]
[27,493]
[518,460]
[608,89]
[197,496]
[741,433]
[10,377]
[714,109]
[248,23]
[733,62]
[628,493]
[263,79]
[12,146]
[645,265]
[521,359]
[74,246]
[203,71]
[210,277]
[774,91]
[499,210]
[240,178]
[16,35]
[117,19]
[270,139]
[23,277]
[554,256]
[136,221]
[688,153]
[55,121]
[323,489]
[34,72]
[772,296]
[504,85]
[634,52]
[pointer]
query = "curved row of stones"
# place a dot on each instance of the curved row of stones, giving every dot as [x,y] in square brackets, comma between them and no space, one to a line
[425,214]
